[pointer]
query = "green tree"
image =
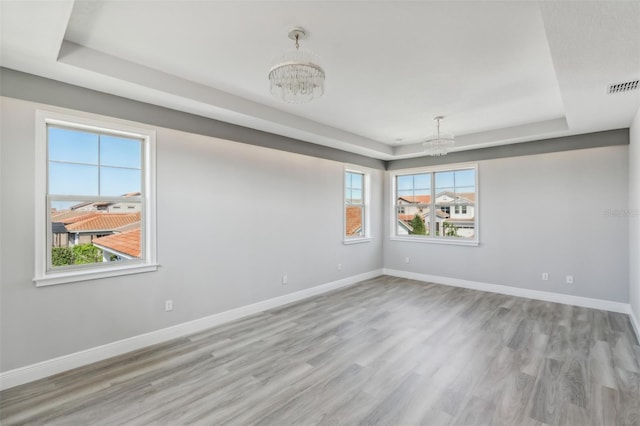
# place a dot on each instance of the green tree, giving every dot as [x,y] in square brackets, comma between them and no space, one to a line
[62,256]
[87,253]
[417,223]
[450,230]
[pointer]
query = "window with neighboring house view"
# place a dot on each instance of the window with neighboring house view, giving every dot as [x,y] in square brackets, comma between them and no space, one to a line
[437,205]
[355,206]
[98,205]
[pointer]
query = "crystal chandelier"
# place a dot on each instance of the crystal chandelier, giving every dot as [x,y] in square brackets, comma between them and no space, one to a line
[297,78]
[440,143]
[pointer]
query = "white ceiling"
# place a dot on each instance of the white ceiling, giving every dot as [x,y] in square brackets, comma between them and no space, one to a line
[500,72]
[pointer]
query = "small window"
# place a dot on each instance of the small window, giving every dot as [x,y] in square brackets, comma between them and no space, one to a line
[92,168]
[436,205]
[356,226]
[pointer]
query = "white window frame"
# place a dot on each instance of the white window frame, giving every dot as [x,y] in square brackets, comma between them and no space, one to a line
[366,199]
[431,239]
[44,275]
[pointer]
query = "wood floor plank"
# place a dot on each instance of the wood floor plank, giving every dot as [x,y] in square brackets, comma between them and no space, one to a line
[385,351]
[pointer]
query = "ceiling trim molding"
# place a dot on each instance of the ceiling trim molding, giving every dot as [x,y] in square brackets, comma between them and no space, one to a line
[543,146]
[20,85]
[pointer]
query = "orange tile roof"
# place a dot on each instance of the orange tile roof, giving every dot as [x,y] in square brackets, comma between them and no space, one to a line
[72,216]
[104,222]
[354,219]
[128,227]
[127,242]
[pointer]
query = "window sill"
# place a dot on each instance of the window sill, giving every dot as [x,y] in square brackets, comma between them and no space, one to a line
[75,276]
[357,240]
[437,241]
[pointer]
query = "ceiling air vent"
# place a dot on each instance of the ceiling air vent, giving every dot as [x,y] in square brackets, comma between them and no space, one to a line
[623,87]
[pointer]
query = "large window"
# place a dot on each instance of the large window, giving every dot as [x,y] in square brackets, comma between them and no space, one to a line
[95,199]
[436,205]
[356,215]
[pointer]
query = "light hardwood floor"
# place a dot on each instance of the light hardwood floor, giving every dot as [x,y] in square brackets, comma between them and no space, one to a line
[387,351]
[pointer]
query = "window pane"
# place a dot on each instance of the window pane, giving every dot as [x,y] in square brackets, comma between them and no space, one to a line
[444,182]
[116,182]
[465,180]
[412,221]
[89,231]
[405,183]
[73,179]
[422,182]
[458,222]
[406,194]
[355,180]
[455,204]
[354,221]
[356,196]
[455,181]
[414,188]
[120,152]
[72,146]
[354,191]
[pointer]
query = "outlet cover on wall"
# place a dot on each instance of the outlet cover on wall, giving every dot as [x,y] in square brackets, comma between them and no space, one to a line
[168,305]
[545,276]
[285,279]
[569,279]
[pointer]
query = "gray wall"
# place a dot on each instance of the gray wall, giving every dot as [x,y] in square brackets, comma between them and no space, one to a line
[634,217]
[540,213]
[232,219]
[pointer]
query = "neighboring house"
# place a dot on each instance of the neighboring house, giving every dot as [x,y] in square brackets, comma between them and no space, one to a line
[59,222]
[60,236]
[457,209]
[69,230]
[354,221]
[111,207]
[85,221]
[121,245]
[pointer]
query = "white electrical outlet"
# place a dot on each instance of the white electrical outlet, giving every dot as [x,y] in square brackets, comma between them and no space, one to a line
[339,266]
[545,276]
[285,279]
[569,279]
[407,260]
[168,305]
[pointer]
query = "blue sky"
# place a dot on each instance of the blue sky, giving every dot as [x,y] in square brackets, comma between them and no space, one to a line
[420,184]
[89,164]
[354,186]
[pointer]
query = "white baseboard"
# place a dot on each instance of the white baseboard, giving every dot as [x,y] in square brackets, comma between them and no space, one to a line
[546,296]
[50,367]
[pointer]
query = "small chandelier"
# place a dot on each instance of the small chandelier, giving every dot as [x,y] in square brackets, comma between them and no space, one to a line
[440,143]
[297,78]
